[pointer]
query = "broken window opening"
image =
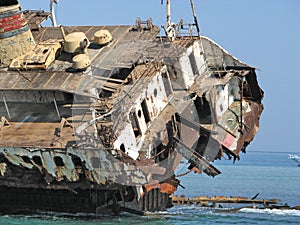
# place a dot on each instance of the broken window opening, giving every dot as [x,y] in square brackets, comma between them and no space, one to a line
[193,64]
[167,84]
[122,74]
[246,90]
[58,161]
[219,74]
[26,159]
[122,148]
[95,162]
[203,110]
[145,111]
[251,90]
[76,161]
[159,153]
[135,124]
[67,97]
[104,93]
[37,160]
[3,158]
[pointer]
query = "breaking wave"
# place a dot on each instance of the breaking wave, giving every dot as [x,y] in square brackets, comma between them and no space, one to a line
[282,212]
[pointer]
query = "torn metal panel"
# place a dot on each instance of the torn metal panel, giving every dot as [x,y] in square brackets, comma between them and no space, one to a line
[201,163]
[36,18]
[105,168]
[250,126]
[225,137]
[77,84]
[17,160]
[218,58]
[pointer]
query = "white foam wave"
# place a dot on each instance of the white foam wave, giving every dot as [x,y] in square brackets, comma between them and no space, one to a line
[288,212]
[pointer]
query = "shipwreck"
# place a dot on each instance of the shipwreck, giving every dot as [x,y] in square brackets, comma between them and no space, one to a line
[98,118]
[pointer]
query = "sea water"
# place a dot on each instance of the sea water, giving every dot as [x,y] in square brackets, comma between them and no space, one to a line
[269,174]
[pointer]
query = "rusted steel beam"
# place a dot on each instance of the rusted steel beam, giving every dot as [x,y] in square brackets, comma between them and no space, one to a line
[194,125]
[205,200]
[200,162]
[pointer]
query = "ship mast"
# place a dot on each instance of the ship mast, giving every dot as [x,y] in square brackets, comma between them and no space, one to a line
[168,13]
[195,18]
[170,29]
[197,25]
[53,17]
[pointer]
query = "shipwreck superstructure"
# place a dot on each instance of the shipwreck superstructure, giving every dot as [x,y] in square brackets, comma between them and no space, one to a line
[98,118]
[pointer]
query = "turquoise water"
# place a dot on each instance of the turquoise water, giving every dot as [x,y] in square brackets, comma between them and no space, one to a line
[272,175]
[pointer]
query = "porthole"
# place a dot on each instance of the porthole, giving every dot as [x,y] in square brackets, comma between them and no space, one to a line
[155,92]
[140,113]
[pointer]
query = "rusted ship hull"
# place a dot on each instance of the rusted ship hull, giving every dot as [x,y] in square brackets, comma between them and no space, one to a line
[93,127]
[93,201]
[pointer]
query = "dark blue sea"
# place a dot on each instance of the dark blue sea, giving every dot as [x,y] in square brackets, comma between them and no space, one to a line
[270,174]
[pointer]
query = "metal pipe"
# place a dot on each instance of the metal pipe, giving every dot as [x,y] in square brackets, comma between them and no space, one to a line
[241,104]
[6,107]
[53,18]
[63,34]
[55,103]
[91,122]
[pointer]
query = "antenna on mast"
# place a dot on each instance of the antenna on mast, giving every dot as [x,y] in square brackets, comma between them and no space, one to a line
[53,17]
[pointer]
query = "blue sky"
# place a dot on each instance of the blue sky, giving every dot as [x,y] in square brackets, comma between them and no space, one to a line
[262,33]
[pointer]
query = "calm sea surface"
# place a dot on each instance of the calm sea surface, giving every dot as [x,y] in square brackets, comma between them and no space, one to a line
[272,175]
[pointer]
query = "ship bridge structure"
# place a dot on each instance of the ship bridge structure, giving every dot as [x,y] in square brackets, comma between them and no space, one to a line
[98,118]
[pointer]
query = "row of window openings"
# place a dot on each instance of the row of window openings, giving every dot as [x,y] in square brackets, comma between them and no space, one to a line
[95,161]
[134,117]
[57,160]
